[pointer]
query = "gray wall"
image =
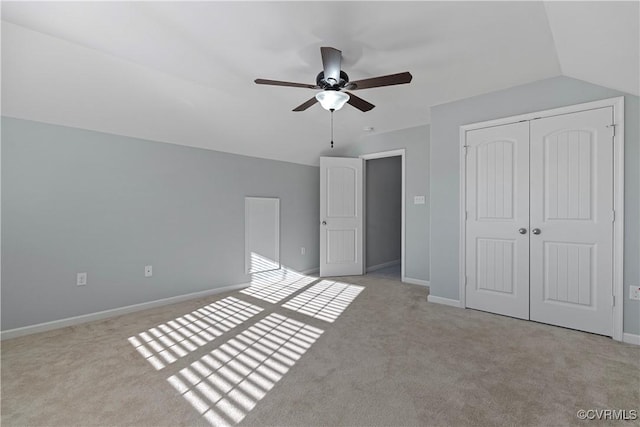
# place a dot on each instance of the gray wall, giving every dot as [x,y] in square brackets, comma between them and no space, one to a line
[76,201]
[416,143]
[446,120]
[384,210]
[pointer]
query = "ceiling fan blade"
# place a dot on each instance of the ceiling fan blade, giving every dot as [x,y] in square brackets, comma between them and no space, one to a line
[359,103]
[280,83]
[389,80]
[332,63]
[306,105]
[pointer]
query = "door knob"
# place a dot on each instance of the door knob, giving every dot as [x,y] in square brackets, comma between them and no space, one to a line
[324,222]
[536,231]
[522,230]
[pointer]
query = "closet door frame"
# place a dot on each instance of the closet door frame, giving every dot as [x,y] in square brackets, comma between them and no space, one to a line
[618,194]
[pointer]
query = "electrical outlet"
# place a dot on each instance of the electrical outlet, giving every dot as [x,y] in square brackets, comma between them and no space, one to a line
[303,251]
[148,271]
[81,279]
[634,292]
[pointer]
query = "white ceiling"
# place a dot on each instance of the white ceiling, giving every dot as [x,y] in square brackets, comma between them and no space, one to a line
[182,72]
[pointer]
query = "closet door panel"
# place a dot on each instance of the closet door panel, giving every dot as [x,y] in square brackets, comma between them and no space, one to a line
[497,203]
[571,206]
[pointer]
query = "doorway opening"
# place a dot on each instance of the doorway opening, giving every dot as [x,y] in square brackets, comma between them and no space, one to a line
[384,214]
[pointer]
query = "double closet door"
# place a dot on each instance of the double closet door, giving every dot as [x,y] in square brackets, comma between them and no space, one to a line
[539,220]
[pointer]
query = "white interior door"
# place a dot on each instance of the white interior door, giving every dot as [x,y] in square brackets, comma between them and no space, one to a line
[341,216]
[571,218]
[497,225]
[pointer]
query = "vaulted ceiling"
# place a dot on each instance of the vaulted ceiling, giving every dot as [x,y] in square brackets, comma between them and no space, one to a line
[182,72]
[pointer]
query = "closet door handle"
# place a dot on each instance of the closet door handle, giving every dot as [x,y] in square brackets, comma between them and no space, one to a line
[536,231]
[522,230]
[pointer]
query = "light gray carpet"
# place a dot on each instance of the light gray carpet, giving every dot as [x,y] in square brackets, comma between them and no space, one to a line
[390,358]
[392,272]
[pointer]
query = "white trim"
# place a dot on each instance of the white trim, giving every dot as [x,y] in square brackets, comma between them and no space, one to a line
[444,301]
[609,102]
[393,153]
[618,193]
[631,338]
[383,154]
[0,200]
[416,281]
[100,315]
[462,244]
[618,225]
[383,265]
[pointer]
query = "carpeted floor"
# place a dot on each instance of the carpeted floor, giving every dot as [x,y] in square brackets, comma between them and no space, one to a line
[359,351]
[393,272]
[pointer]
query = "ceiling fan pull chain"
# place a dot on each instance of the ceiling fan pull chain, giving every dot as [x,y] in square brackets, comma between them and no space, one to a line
[332,110]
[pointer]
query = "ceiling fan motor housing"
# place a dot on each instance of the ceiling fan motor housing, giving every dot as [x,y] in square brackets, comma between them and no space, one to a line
[332,84]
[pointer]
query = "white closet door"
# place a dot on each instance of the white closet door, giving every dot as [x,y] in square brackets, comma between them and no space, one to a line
[572,206]
[497,254]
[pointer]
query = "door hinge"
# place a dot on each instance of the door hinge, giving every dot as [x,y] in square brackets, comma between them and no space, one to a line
[466,149]
[466,215]
[613,216]
[613,300]
[612,127]
[465,280]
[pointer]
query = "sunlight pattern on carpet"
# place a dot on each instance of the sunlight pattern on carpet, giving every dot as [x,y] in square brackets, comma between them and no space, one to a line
[325,300]
[226,384]
[168,342]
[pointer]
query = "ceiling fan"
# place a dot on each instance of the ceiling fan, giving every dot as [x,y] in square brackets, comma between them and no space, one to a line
[335,83]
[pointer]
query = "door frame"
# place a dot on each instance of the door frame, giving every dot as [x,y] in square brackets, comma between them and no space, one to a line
[617,104]
[380,155]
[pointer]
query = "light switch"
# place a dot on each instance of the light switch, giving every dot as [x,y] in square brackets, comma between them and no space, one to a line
[418,200]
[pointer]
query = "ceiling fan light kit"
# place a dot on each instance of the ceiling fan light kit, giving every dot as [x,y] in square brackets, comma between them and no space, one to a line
[332,100]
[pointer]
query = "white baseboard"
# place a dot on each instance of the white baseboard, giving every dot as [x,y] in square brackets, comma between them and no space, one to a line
[444,301]
[76,320]
[415,281]
[631,338]
[383,265]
